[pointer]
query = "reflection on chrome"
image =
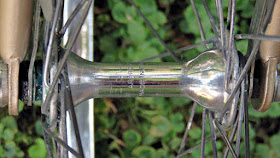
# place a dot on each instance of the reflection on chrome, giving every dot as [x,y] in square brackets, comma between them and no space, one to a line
[201,79]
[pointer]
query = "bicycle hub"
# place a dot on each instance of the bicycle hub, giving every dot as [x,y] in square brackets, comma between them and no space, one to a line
[201,79]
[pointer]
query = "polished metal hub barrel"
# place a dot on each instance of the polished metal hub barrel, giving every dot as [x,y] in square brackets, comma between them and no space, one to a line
[201,79]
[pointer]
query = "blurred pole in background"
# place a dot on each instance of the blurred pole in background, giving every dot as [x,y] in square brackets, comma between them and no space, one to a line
[84,48]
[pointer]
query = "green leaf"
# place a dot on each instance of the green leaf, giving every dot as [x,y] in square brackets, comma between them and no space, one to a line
[242,5]
[144,152]
[242,147]
[274,110]
[102,19]
[20,106]
[180,102]
[10,149]
[156,18]
[38,128]
[256,114]
[252,132]
[8,134]
[176,120]
[10,122]
[146,53]
[131,138]
[262,150]
[162,153]
[37,103]
[148,140]
[191,54]
[114,145]
[274,142]
[183,25]
[122,13]
[136,32]
[192,25]
[242,45]
[166,2]
[195,133]
[38,149]
[174,143]
[196,153]
[146,6]
[161,126]
[107,44]
[2,152]
[1,129]
[141,3]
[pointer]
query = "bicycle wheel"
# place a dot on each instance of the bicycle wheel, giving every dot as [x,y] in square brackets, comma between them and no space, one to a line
[223,117]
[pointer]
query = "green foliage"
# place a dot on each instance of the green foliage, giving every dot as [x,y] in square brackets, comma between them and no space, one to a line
[149,127]
[160,126]
[38,149]
[15,142]
[131,138]
[153,127]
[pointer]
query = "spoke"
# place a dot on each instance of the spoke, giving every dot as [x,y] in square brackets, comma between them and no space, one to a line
[50,44]
[268,16]
[184,140]
[192,149]
[258,37]
[34,52]
[199,23]
[182,49]
[62,125]
[240,118]
[154,31]
[204,117]
[72,112]
[231,42]
[221,25]
[227,141]
[248,64]
[259,24]
[212,21]
[229,11]
[246,118]
[71,17]
[63,60]
[47,142]
[231,138]
[240,79]
[61,142]
[213,135]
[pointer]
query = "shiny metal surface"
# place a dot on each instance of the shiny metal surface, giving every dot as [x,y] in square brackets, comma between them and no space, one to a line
[113,80]
[3,84]
[85,49]
[276,97]
[201,79]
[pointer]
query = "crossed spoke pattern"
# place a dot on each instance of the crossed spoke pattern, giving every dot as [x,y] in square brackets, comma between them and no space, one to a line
[56,136]
[224,40]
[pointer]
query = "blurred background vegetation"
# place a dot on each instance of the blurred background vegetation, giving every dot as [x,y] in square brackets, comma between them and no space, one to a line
[146,127]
